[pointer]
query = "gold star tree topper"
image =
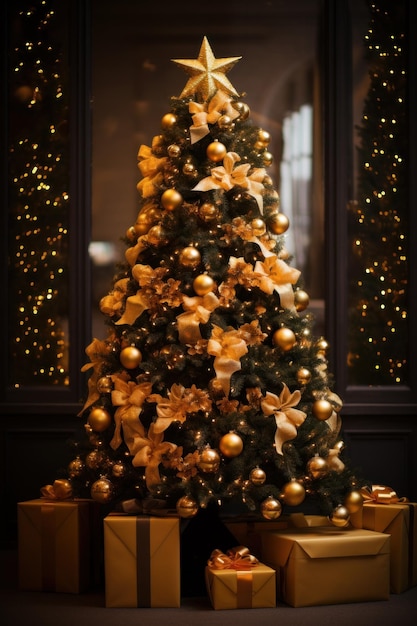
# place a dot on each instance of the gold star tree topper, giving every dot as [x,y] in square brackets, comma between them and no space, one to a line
[207,74]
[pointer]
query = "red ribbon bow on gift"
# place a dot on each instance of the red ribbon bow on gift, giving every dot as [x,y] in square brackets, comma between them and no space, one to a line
[238,558]
[381,494]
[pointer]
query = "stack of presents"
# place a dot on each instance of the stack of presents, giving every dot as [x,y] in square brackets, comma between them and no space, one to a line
[142,559]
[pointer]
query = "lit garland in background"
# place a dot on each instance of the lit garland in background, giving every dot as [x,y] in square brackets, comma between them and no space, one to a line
[378,296]
[38,183]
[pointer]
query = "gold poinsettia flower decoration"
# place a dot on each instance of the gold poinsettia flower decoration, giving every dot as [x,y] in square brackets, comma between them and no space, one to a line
[287,418]
[178,404]
[112,304]
[240,272]
[252,333]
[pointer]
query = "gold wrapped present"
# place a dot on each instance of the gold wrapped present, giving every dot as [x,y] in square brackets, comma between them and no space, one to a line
[237,580]
[54,545]
[399,520]
[328,565]
[141,561]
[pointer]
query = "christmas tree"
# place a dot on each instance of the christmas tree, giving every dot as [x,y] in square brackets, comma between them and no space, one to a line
[210,388]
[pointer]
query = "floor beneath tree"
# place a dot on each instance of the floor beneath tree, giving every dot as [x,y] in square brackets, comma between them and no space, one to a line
[23,608]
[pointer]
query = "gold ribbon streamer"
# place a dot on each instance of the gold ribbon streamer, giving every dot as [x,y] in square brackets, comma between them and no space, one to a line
[197,311]
[135,305]
[381,494]
[237,558]
[287,418]
[227,347]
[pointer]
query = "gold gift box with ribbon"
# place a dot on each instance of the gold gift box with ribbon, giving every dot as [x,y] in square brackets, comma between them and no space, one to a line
[383,511]
[237,580]
[328,565]
[54,545]
[142,561]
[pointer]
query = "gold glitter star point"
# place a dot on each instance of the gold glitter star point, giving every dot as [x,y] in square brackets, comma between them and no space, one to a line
[207,74]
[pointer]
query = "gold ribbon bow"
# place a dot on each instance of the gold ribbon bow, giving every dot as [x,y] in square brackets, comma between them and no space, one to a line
[197,311]
[287,418]
[129,397]
[148,453]
[238,558]
[150,167]
[227,176]
[380,494]
[97,351]
[227,346]
[275,274]
[60,490]
[204,114]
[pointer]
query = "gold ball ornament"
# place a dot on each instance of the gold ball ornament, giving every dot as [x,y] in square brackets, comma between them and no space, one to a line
[258,227]
[340,516]
[303,376]
[171,199]
[264,137]
[156,235]
[99,419]
[225,122]
[76,468]
[130,357]
[190,257]
[271,508]
[353,502]
[208,212]
[284,338]
[102,491]
[278,223]
[267,158]
[293,493]
[257,476]
[209,461]
[317,467]
[187,507]
[243,109]
[131,234]
[322,409]
[301,299]
[216,151]
[174,151]
[104,384]
[118,470]
[231,445]
[168,120]
[322,346]
[95,459]
[203,284]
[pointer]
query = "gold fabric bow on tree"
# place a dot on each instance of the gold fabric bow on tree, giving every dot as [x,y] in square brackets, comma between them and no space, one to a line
[197,311]
[227,346]
[129,397]
[151,168]
[238,558]
[97,351]
[287,418]
[148,453]
[205,114]
[275,274]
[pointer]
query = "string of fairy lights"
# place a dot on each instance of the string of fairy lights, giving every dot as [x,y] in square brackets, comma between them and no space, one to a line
[38,201]
[378,296]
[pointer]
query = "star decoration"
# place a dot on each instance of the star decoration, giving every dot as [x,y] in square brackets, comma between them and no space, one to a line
[207,74]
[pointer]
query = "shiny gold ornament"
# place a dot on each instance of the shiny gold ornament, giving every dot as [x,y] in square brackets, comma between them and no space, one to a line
[267,158]
[174,151]
[207,74]
[190,257]
[190,170]
[317,467]
[216,151]
[264,137]
[99,419]
[301,300]
[340,516]
[322,409]
[284,338]
[231,445]
[303,376]
[102,491]
[95,459]
[257,476]
[271,508]
[168,121]
[209,461]
[187,507]
[147,217]
[131,234]
[130,357]
[258,227]
[225,122]
[156,235]
[76,468]
[278,223]
[203,284]
[208,212]
[293,493]
[322,346]
[243,110]
[353,502]
[171,199]
[118,470]
[104,384]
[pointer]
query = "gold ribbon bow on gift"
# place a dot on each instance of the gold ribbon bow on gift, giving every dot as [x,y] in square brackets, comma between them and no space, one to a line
[60,490]
[381,494]
[238,558]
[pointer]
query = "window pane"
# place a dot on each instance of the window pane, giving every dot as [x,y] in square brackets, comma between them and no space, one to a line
[38,195]
[378,214]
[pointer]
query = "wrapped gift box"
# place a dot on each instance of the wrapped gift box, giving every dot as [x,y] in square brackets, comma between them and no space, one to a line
[142,561]
[328,565]
[247,532]
[399,520]
[231,589]
[54,545]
